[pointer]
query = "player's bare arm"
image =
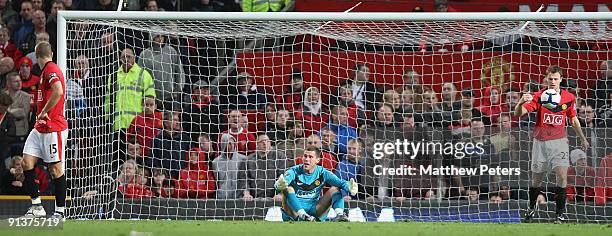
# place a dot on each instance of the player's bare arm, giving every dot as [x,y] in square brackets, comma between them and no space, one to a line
[519,110]
[577,127]
[56,94]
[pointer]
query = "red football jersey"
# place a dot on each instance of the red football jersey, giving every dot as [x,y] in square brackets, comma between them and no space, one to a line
[550,124]
[51,74]
[246,140]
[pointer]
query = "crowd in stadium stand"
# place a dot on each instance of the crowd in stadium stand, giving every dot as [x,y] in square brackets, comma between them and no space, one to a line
[176,138]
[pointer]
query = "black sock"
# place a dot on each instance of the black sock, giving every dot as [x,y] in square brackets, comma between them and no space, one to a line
[560,199]
[60,191]
[533,196]
[29,185]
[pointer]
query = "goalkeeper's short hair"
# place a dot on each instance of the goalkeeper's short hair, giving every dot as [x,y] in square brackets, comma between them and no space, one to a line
[314,149]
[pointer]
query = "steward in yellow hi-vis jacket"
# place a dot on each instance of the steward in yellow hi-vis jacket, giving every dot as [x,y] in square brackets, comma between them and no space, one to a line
[126,90]
[267,5]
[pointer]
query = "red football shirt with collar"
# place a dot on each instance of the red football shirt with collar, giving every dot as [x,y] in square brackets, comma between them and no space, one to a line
[246,140]
[51,74]
[551,123]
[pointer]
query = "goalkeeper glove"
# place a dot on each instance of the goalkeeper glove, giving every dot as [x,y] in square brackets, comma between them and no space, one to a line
[281,183]
[353,187]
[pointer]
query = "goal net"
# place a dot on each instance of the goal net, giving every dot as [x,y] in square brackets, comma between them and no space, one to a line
[180,117]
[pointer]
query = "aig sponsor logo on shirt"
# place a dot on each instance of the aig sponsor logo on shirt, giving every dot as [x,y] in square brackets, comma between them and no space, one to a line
[551,119]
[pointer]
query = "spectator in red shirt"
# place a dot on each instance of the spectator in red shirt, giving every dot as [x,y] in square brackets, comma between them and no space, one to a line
[8,48]
[491,103]
[132,183]
[30,81]
[146,126]
[604,182]
[246,140]
[162,186]
[328,161]
[580,178]
[196,181]
[313,112]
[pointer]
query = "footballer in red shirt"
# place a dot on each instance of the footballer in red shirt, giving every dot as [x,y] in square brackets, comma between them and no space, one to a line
[48,138]
[550,144]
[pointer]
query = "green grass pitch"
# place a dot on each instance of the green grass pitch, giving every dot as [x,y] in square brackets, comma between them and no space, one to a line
[244,228]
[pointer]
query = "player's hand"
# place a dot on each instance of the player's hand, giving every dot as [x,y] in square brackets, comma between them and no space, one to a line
[281,183]
[17,183]
[42,118]
[585,144]
[353,187]
[527,97]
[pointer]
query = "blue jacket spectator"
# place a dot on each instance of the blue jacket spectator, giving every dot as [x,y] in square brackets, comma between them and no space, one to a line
[352,165]
[26,27]
[339,125]
[170,146]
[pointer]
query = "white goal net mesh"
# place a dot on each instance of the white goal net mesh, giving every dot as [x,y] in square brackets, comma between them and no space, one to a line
[160,103]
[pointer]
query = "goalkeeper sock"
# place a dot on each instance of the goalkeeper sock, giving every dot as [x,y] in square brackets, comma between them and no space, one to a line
[60,193]
[30,186]
[338,202]
[560,199]
[294,203]
[533,196]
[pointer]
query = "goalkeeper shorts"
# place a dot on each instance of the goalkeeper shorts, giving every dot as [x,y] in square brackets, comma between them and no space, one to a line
[310,208]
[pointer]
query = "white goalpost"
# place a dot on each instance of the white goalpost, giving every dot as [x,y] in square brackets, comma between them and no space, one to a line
[421,77]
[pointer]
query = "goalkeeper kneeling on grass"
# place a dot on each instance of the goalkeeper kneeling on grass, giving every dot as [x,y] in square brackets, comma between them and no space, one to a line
[301,187]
